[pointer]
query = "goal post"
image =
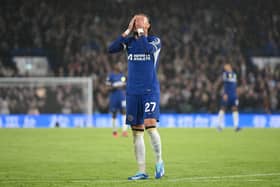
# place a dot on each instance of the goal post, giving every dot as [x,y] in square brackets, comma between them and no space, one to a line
[47,95]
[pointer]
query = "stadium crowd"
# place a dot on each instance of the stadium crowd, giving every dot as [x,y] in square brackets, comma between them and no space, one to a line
[198,37]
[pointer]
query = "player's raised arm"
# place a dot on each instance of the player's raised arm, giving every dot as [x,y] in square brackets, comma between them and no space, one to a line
[129,28]
[120,43]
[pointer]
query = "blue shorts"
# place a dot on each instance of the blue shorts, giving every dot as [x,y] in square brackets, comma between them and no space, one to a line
[140,107]
[117,104]
[231,102]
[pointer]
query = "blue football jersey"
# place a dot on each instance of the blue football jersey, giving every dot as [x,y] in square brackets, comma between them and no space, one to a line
[142,56]
[117,81]
[230,81]
[117,96]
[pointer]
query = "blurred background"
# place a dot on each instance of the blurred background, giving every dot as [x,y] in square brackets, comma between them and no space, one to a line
[69,38]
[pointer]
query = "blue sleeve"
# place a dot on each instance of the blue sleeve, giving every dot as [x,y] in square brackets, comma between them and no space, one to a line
[109,80]
[151,46]
[117,45]
[225,75]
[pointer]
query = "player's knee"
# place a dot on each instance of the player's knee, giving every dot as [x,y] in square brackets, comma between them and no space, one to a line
[223,108]
[150,122]
[234,109]
[114,114]
[123,112]
[150,125]
[137,129]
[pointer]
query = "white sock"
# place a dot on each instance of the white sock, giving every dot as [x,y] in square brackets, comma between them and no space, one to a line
[156,143]
[124,126]
[235,117]
[139,149]
[114,125]
[221,118]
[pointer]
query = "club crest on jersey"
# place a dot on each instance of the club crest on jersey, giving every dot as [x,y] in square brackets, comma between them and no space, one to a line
[139,57]
[130,117]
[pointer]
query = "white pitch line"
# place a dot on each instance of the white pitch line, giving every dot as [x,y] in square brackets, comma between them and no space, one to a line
[193,179]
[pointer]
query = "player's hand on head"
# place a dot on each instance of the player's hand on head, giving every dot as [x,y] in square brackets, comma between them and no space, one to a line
[131,23]
[138,23]
[130,27]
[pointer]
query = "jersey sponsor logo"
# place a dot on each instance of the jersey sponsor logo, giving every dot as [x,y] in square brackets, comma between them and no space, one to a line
[139,57]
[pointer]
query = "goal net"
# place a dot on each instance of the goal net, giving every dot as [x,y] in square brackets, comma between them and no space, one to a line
[48,95]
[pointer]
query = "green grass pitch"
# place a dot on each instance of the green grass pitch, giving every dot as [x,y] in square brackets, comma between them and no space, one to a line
[92,157]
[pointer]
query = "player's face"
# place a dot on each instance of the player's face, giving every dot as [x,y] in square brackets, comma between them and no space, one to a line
[118,67]
[227,67]
[142,21]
